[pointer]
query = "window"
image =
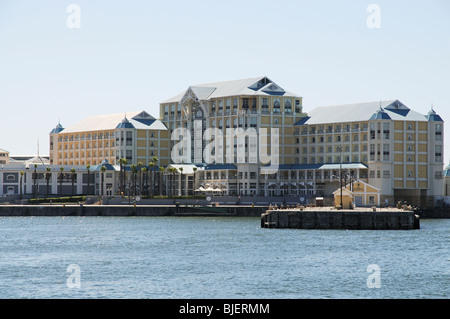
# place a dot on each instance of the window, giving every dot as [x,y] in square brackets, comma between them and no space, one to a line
[371,200]
[287,106]
[298,108]
[372,131]
[129,139]
[372,152]
[438,154]
[245,103]
[438,132]
[129,155]
[386,131]
[386,174]
[386,152]
[265,105]
[372,174]
[276,105]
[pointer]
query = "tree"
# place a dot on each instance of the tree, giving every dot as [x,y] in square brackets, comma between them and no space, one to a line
[34,181]
[123,162]
[160,186]
[61,175]
[181,181]
[195,171]
[88,178]
[21,183]
[172,171]
[73,175]
[102,169]
[134,171]
[139,168]
[47,177]
[151,166]
[144,190]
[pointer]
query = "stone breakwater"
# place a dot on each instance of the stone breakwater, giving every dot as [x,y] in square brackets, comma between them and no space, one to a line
[340,219]
[130,210]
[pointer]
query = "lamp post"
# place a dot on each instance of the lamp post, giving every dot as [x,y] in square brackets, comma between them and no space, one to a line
[340,170]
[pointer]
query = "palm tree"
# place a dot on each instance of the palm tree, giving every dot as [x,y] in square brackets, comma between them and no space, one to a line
[21,183]
[139,169]
[60,180]
[123,162]
[88,178]
[134,171]
[160,184]
[173,171]
[152,172]
[103,169]
[145,178]
[34,181]
[47,177]
[181,181]
[195,171]
[73,175]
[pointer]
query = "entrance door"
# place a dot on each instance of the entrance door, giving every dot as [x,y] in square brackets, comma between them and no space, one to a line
[358,201]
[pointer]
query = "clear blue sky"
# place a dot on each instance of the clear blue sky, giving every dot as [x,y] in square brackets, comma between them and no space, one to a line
[131,55]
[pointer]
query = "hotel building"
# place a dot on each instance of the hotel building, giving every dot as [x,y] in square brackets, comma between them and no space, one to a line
[136,136]
[384,144]
[254,103]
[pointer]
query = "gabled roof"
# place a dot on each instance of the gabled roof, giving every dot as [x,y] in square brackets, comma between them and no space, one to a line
[432,116]
[359,112]
[57,129]
[251,86]
[138,120]
[380,114]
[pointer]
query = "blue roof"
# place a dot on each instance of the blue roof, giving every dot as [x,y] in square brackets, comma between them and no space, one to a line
[219,166]
[380,114]
[303,120]
[125,124]
[105,163]
[299,166]
[57,129]
[147,122]
[433,117]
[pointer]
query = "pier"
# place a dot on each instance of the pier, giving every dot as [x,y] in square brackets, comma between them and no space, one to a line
[328,218]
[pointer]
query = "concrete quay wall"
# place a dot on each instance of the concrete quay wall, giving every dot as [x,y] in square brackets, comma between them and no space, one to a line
[367,220]
[123,210]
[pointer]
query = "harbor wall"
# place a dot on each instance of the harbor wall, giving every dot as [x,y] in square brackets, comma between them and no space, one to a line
[122,210]
[340,220]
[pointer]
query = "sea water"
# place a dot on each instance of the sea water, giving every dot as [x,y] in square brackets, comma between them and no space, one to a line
[217,258]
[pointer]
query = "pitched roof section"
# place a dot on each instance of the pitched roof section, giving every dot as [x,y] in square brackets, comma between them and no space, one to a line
[138,120]
[434,117]
[57,129]
[358,112]
[380,114]
[251,86]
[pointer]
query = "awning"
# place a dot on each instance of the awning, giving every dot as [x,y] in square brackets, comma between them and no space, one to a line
[344,166]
